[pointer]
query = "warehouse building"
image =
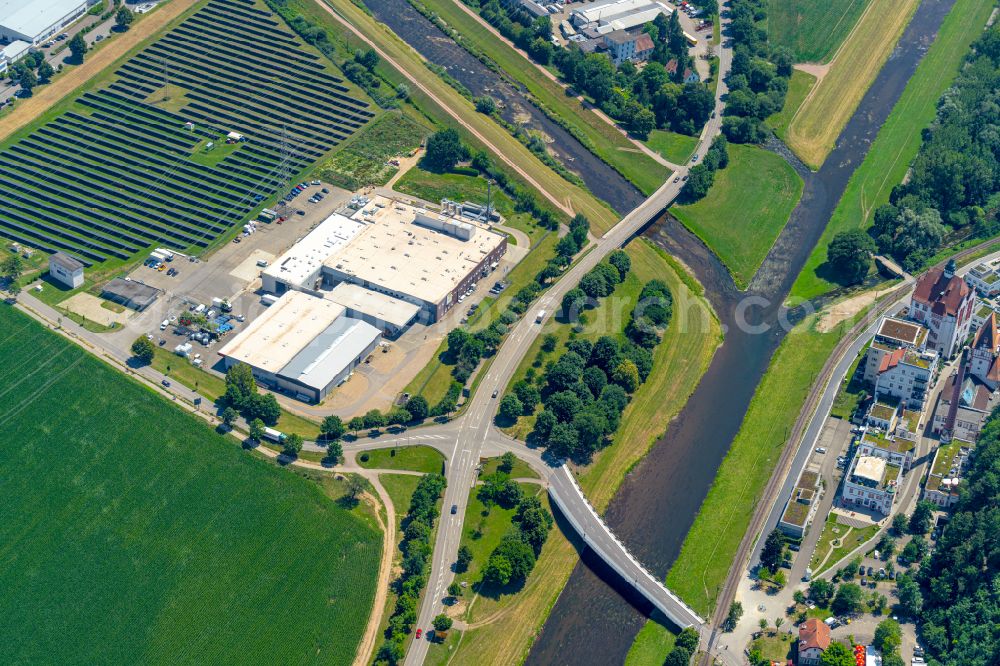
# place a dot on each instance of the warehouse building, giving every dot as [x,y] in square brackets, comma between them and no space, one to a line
[390,315]
[130,293]
[302,345]
[35,21]
[422,258]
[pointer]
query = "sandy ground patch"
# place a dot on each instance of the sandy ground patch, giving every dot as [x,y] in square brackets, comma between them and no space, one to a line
[849,307]
[89,306]
[248,269]
[815,69]
[33,107]
[405,164]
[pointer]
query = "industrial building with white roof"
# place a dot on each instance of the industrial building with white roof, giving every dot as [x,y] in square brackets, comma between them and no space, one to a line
[35,21]
[399,252]
[302,345]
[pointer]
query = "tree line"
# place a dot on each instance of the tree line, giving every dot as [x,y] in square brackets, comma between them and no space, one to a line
[584,392]
[758,77]
[418,527]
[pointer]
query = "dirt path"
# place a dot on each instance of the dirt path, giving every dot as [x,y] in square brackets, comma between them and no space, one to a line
[447,108]
[815,69]
[29,109]
[367,645]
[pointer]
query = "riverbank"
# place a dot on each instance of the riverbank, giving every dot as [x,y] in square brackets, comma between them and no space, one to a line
[898,139]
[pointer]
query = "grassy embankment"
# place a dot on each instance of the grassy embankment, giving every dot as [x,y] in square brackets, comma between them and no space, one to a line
[679,361]
[710,546]
[812,29]
[141,520]
[799,86]
[604,140]
[677,148]
[507,147]
[898,140]
[813,131]
[745,210]
[414,458]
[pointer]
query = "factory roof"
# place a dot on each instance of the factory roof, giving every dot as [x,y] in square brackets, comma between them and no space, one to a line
[276,337]
[343,341]
[372,303]
[304,259]
[34,17]
[606,9]
[395,252]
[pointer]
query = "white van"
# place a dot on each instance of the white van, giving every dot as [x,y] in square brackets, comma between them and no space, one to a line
[164,324]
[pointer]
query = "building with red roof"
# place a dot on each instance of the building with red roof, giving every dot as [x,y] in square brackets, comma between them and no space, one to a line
[814,638]
[943,302]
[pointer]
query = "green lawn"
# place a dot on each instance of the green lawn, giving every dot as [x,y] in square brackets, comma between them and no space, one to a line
[651,645]
[126,514]
[677,148]
[799,86]
[711,544]
[776,647]
[441,651]
[414,458]
[849,396]
[745,210]
[898,140]
[598,136]
[838,541]
[812,29]
[521,469]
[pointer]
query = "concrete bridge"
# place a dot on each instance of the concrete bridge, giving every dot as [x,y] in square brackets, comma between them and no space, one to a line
[567,495]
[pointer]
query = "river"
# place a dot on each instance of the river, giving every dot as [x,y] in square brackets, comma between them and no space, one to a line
[438,48]
[597,617]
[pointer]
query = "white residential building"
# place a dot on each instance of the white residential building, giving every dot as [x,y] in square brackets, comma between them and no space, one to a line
[66,270]
[984,279]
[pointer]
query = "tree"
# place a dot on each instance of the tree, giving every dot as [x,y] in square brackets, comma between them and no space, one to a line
[498,570]
[779,578]
[256,430]
[573,302]
[510,407]
[837,654]
[229,416]
[143,350]
[848,599]
[643,122]
[12,267]
[240,386]
[920,519]
[678,656]
[774,547]
[762,623]
[821,591]
[442,623]
[45,72]
[626,375]
[292,445]
[417,407]
[444,151]
[700,179]
[778,621]
[374,419]
[850,255]
[334,451]
[455,589]
[733,617]
[356,424]
[562,440]
[911,600]
[77,47]
[28,81]
[332,428]
[621,261]
[486,105]
[888,636]
[464,558]
[507,461]
[124,19]
[688,640]
[356,485]
[899,524]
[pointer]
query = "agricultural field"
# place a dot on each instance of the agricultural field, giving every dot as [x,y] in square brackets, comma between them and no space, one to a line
[745,210]
[144,160]
[813,131]
[135,533]
[898,139]
[812,29]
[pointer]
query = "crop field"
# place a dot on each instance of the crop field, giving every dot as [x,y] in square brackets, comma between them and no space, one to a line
[812,29]
[133,533]
[814,129]
[143,161]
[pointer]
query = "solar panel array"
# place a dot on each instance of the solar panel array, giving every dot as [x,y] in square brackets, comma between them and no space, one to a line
[115,175]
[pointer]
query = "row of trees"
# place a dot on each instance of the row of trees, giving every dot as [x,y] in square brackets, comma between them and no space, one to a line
[417,526]
[242,396]
[702,175]
[758,77]
[584,392]
[956,597]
